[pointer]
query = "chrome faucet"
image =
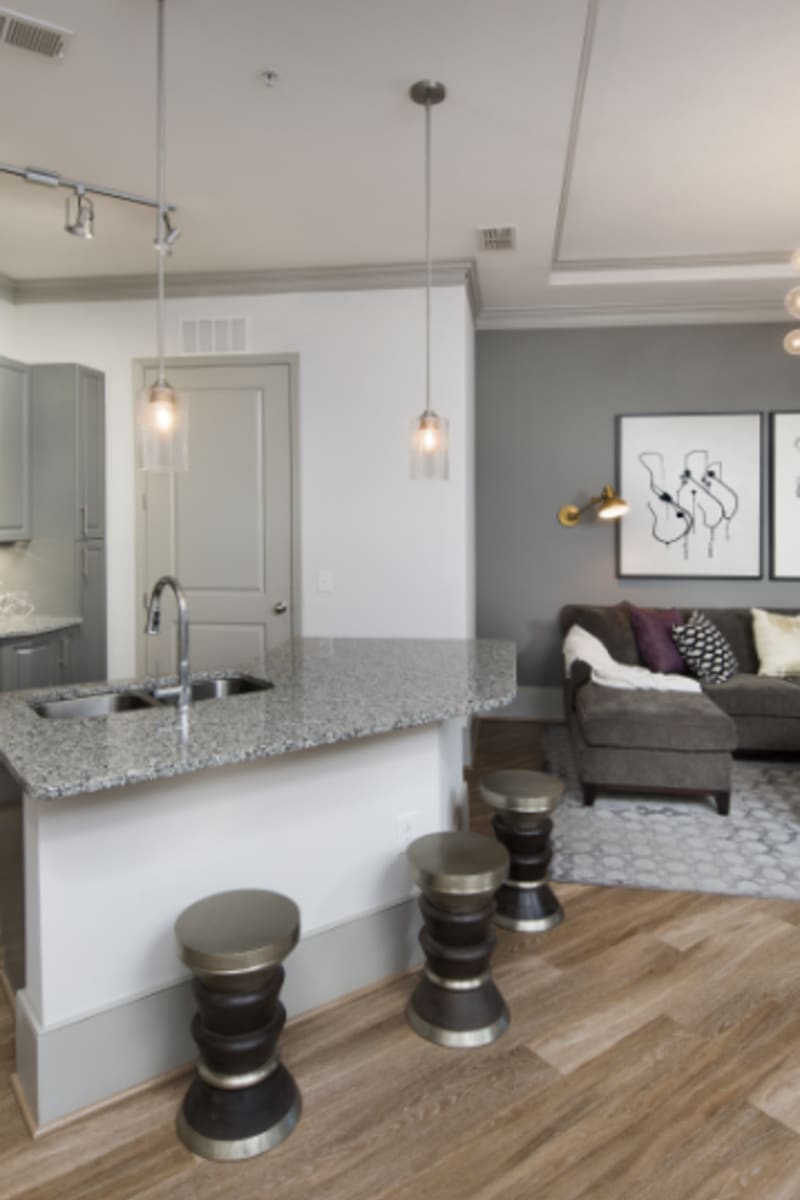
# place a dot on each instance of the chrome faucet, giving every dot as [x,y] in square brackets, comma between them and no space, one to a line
[153,627]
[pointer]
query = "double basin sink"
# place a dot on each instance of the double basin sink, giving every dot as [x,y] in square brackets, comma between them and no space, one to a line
[106,704]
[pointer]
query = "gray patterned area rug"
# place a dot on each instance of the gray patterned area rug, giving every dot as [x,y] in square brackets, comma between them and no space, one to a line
[681,845]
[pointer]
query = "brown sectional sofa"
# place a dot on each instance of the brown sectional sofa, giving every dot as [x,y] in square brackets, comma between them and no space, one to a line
[673,741]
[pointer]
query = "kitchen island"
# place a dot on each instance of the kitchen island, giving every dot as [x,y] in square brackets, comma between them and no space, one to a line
[312,788]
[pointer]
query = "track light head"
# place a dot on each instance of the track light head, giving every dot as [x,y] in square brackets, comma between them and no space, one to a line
[169,235]
[83,224]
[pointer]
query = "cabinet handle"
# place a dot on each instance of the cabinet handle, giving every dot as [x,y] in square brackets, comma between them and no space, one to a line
[83,520]
[84,562]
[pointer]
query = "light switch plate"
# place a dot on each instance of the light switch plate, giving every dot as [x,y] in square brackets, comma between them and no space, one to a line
[325,579]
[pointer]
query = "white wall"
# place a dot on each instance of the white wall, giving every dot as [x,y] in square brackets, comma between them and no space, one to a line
[402,553]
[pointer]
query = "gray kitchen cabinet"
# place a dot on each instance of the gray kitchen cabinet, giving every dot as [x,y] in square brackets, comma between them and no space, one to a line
[68,501]
[29,662]
[15,489]
[89,657]
[38,660]
[68,451]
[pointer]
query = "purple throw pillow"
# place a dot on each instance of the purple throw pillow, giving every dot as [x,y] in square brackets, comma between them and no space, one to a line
[652,629]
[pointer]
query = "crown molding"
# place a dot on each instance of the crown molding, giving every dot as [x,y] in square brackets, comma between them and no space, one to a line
[249,283]
[748,258]
[577,316]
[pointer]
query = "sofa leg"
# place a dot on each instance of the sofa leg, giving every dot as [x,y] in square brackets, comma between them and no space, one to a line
[589,794]
[723,800]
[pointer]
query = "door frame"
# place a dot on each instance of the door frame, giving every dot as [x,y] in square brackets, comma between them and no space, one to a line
[292,362]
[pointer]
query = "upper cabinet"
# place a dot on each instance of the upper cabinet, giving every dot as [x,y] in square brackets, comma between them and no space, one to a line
[68,451]
[15,487]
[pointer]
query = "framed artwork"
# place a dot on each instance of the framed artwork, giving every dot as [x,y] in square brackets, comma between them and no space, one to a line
[693,482]
[785,483]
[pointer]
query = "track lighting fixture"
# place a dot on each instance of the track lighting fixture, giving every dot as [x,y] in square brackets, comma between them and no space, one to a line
[168,235]
[83,224]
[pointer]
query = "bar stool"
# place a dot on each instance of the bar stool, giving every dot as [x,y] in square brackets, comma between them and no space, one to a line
[523,801]
[456,1002]
[243,1100]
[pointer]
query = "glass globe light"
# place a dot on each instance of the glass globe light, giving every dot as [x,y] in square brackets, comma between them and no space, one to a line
[792,302]
[791,343]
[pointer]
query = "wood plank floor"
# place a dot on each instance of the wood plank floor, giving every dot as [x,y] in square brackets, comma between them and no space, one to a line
[654,1054]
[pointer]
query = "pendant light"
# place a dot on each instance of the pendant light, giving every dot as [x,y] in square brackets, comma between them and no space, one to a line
[430,458]
[163,423]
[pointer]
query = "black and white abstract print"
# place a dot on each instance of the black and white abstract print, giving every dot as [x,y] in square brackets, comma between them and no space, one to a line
[785,495]
[694,489]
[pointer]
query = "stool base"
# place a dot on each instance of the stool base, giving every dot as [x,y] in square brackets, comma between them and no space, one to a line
[230,1125]
[459,1018]
[454,1039]
[528,909]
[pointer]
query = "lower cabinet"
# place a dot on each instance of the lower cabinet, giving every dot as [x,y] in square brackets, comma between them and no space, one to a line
[39,661]
[89,658]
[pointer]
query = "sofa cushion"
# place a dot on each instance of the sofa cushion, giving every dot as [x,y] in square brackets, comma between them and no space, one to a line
[652,720]
[777,639]
[609,623]
[736,626]
[756,696]
[708,654]
[652,628]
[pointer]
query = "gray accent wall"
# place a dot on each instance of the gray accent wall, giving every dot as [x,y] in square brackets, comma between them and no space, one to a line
[546,403]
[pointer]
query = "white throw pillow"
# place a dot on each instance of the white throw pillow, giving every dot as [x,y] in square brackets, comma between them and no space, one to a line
[777,640]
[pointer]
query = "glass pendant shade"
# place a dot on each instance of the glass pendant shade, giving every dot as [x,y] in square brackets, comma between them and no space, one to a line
[791,343]
[162,427]
[430,447]
[792,302]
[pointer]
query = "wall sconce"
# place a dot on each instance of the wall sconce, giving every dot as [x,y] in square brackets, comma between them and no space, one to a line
[610,507]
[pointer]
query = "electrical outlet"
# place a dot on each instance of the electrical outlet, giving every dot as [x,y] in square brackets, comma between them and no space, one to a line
[325,579]
[406,829]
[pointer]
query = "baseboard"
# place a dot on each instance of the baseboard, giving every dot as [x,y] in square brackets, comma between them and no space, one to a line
[533,704]
[81,1064]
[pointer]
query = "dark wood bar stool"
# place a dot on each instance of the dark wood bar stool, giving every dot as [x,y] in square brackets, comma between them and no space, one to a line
[243,1100]
[523,801]
[456,1002]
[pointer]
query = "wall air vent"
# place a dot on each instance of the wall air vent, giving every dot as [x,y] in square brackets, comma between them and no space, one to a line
[29,33]
[497,237]
[214,335]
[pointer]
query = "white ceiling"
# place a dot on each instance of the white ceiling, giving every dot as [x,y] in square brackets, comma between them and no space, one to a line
[643,150]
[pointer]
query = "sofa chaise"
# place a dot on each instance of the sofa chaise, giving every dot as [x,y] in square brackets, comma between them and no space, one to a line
[673,742]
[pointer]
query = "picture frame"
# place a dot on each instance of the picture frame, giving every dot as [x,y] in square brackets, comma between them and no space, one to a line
[785,495]
[693,483]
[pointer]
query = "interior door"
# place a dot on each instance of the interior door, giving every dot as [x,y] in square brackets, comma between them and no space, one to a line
[224,527]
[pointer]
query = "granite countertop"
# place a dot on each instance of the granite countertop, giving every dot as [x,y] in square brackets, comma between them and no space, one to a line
[324,691]
[17,627]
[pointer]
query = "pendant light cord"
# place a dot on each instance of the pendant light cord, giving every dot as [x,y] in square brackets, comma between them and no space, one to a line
[161,247]
[428,257]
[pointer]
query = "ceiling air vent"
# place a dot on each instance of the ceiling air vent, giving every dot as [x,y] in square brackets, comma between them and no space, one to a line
[28,33]
[497,237]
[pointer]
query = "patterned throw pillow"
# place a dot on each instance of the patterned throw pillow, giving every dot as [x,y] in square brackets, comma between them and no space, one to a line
[706,652]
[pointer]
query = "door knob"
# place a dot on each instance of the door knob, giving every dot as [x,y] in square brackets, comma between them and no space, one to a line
[280,607]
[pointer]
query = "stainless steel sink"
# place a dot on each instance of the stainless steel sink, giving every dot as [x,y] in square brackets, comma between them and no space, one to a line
[217,689]
[105,704]
[101,705]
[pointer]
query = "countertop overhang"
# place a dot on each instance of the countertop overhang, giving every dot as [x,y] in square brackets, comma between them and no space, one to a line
[324,691]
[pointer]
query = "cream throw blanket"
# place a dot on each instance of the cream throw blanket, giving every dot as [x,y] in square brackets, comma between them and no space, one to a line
[580,644]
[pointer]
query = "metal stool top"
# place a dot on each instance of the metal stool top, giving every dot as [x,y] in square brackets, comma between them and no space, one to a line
[244,930]
[522,791]
[457,863]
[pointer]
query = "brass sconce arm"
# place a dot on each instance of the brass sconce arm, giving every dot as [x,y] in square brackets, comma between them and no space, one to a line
[610,507]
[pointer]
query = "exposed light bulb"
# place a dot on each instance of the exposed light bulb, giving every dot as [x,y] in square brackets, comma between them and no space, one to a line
[163,416]
[792,302]
[791,343]
[795,260]
[429,446]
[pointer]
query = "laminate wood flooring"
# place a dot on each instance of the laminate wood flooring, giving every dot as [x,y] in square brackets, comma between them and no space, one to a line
[653,1054]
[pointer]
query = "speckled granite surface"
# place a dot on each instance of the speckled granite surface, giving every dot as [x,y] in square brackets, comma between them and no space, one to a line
[17,627]
[324,691]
